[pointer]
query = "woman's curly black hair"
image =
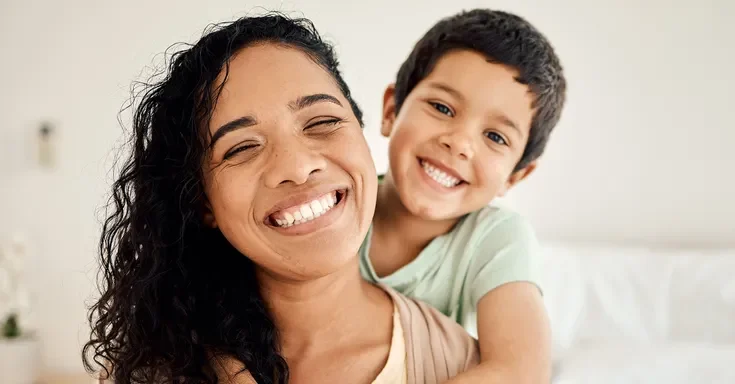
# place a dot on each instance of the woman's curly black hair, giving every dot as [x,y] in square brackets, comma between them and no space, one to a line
[174,292]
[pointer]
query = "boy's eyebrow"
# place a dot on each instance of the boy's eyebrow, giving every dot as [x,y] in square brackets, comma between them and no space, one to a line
[246,121]
[505,120]
[446,88]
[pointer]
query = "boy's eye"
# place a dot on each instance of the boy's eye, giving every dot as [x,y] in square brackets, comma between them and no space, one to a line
[496,138]
[443,109]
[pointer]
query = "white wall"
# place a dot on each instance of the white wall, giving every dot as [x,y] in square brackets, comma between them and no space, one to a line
[643,152]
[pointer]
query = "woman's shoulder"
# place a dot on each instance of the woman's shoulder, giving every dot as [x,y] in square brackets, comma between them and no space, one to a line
[437,348]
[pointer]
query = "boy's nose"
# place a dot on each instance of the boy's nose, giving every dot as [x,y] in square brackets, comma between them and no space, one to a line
[458,144]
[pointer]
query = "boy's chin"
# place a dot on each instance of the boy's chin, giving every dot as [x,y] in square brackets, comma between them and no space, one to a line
[432,211]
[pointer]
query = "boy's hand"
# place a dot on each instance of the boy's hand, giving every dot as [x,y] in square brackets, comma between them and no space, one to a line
[514,335]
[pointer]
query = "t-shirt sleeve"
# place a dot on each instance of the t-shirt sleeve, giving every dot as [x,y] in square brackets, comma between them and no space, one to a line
[507,251]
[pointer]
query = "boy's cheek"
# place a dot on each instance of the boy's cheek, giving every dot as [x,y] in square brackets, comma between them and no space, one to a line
[412,136]
[403,143]
[493,179]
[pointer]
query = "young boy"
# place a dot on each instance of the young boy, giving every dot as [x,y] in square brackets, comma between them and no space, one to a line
[469,115]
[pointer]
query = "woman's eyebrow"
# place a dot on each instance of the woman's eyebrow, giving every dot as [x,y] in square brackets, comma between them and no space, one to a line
[296,105]
[239,123]
[309,100]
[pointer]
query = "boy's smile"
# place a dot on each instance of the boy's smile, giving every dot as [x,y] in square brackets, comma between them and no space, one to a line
[441,175]
[458,136]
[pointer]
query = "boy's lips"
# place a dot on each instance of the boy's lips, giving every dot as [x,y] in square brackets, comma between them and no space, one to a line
[437,179]
[451,172]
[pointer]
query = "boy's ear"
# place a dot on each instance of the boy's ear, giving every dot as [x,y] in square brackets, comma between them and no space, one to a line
[516,177]
[389,110]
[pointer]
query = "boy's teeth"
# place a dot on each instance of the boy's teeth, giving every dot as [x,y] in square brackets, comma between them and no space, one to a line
[439,176]
[305,212]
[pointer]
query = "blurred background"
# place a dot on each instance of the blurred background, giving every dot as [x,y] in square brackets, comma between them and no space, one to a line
[634,199]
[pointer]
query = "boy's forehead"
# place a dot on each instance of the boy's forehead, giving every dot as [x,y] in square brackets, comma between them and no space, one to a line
[482,86]
[468,66]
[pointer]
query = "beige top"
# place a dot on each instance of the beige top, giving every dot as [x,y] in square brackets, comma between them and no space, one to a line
[394,371]
[437,348]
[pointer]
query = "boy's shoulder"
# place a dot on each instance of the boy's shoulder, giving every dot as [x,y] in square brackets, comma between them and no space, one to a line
[487,248]
[494,223]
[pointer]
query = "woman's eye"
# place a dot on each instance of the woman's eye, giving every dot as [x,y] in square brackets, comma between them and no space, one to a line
[324,123]
[441,108]
[496,138]
[236,150]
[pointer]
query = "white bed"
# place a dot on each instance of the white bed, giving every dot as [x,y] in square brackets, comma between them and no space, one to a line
[639,315]
[659,363]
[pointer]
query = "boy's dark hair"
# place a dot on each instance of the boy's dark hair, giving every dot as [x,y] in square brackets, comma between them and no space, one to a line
[503,38]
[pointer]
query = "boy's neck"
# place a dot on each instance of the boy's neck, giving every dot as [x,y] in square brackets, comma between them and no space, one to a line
[398,234]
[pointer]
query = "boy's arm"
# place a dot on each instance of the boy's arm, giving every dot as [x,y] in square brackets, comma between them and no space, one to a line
[514,335]
[512,324]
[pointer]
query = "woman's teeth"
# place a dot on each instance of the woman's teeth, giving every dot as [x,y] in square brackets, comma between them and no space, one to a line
[439,176]
[306,212]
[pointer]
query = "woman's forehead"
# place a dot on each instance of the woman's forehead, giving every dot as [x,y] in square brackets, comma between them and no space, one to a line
[269,69]
[268,77]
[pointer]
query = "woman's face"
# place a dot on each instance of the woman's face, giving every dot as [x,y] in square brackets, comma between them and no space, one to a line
[290,181]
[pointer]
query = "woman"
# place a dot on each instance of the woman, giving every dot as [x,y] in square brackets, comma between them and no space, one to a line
[231,251]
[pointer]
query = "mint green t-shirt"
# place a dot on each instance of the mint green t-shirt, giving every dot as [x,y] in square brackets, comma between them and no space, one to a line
[485,249]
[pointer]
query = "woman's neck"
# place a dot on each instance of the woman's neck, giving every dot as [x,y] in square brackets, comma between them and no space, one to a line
[317,315]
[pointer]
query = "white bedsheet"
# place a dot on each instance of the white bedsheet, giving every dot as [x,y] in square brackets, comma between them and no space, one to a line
[639,315]
[641,296]
[685,363]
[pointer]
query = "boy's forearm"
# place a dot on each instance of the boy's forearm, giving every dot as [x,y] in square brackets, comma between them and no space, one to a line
[514,337]
[493,373]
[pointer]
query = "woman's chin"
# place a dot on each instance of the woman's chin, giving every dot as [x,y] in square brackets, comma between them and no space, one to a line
[313,266]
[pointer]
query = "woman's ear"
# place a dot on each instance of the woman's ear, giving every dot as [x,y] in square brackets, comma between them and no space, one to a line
[389,110]
[208,216]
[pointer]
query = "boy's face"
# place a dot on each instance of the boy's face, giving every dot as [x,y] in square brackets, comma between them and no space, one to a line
[458,136]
